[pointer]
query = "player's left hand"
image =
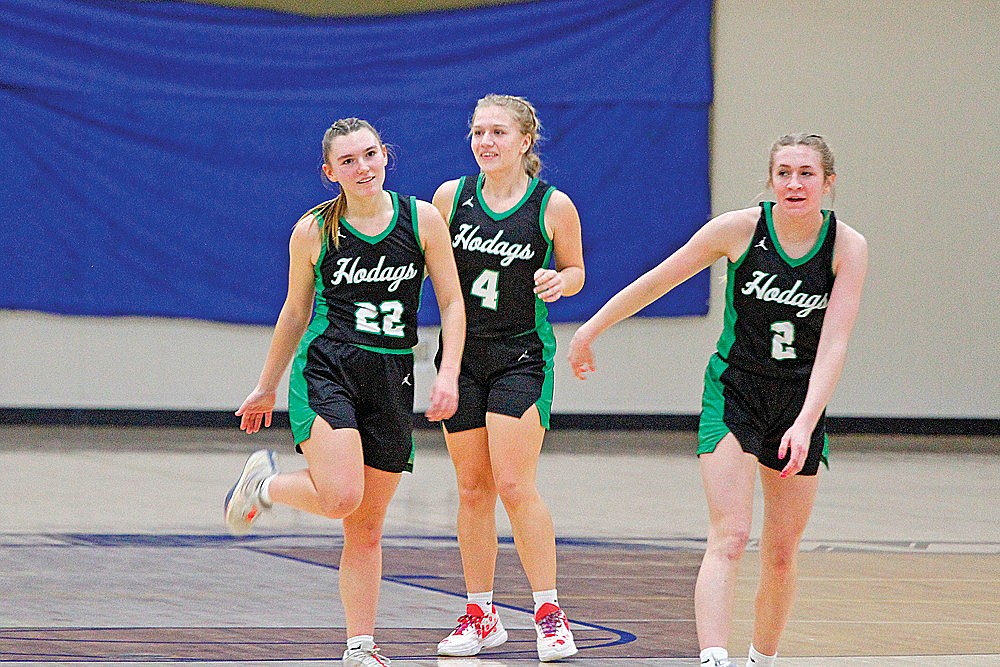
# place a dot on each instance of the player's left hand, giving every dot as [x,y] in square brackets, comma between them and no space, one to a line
[548,285]
[794,445]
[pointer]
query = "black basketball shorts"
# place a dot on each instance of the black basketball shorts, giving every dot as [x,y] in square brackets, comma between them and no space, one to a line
[351,387]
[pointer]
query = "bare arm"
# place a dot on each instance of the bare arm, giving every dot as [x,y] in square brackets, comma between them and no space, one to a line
[562,222]
[440,262]
[850,267]
[444,199]
[291,325]
[725,235]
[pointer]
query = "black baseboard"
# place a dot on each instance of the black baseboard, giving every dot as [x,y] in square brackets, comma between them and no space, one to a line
[126,418]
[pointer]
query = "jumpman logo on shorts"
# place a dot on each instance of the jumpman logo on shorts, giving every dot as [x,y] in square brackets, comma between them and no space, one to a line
[468,202]
[524,356]
[761,244]
[406,380]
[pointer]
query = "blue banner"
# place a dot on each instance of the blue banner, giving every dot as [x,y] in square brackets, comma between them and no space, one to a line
[155,155]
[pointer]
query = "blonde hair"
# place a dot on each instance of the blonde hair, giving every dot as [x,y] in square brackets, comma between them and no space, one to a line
[330,212]
[527,121]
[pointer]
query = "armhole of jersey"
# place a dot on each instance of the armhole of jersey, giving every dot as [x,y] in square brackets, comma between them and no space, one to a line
[458,196]
[415,221]
[736,264]
[323,243]
[541,214]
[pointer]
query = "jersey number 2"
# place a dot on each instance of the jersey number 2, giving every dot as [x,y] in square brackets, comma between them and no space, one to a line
[781,344]
[486,287]
[367,314]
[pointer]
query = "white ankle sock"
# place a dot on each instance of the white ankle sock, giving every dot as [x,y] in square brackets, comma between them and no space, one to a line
[357,641]
[758,659]
[541,597]
[483,600]
[713,655]
[265,492]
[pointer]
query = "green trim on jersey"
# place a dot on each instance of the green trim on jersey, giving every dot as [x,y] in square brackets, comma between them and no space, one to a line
[416,223]
[388,228]
[728,335]
[414,220]
[541,308]
[532,184]
[455,204]
[320,320]
[541,216]
[769,219]
[383,350]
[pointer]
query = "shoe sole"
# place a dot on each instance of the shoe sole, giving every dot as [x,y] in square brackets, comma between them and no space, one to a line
[238,526]
[496,640]
[565,652]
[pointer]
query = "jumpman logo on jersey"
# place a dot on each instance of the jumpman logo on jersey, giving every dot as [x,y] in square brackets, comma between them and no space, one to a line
[341,234]
[406,380]
[468,202]
[761,244]
[524,356]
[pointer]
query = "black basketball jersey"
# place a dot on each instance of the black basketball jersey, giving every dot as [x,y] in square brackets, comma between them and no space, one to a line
[775,305]
[497,255]
[368,289]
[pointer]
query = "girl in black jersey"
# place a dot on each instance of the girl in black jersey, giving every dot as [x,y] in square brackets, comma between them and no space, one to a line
[795,275]
[356,267]
[506,226]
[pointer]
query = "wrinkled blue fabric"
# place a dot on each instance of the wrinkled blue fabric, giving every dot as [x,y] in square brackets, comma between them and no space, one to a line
[155,155]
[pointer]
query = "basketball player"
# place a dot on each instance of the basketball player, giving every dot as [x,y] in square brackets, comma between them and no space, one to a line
[505,225]
[361,258]
[795,274]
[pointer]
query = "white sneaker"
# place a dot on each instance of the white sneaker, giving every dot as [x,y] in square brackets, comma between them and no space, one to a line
[243,503]
[555,639]
[475,631]
[366,655]
[718,662]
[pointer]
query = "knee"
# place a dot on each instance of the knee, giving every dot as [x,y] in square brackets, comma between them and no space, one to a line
[477,495]
[515,491]
[340,502]
[729,542]
[780,563]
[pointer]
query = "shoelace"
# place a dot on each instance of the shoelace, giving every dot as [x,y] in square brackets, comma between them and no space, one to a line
[373,652]
[465,622]
[551,623]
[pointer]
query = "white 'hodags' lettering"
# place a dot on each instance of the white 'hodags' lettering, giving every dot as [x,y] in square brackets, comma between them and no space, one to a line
[761,288]
[348,272]
[468,239]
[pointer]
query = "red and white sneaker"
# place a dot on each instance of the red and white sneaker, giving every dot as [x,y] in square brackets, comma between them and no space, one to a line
[476,630]
[555,639]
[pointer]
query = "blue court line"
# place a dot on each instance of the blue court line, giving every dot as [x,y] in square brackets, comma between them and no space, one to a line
[623,636]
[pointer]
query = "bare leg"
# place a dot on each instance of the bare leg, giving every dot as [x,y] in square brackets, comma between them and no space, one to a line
[477,502]
[728,475]
[333,484]
[515,445]
[361,558]
[787,506]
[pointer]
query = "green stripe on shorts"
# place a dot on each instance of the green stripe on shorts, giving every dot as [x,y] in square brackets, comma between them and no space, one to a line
[711,426]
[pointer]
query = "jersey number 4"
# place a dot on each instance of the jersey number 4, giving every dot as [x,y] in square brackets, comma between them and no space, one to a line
[781,343]
[367,316]
[487,287]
